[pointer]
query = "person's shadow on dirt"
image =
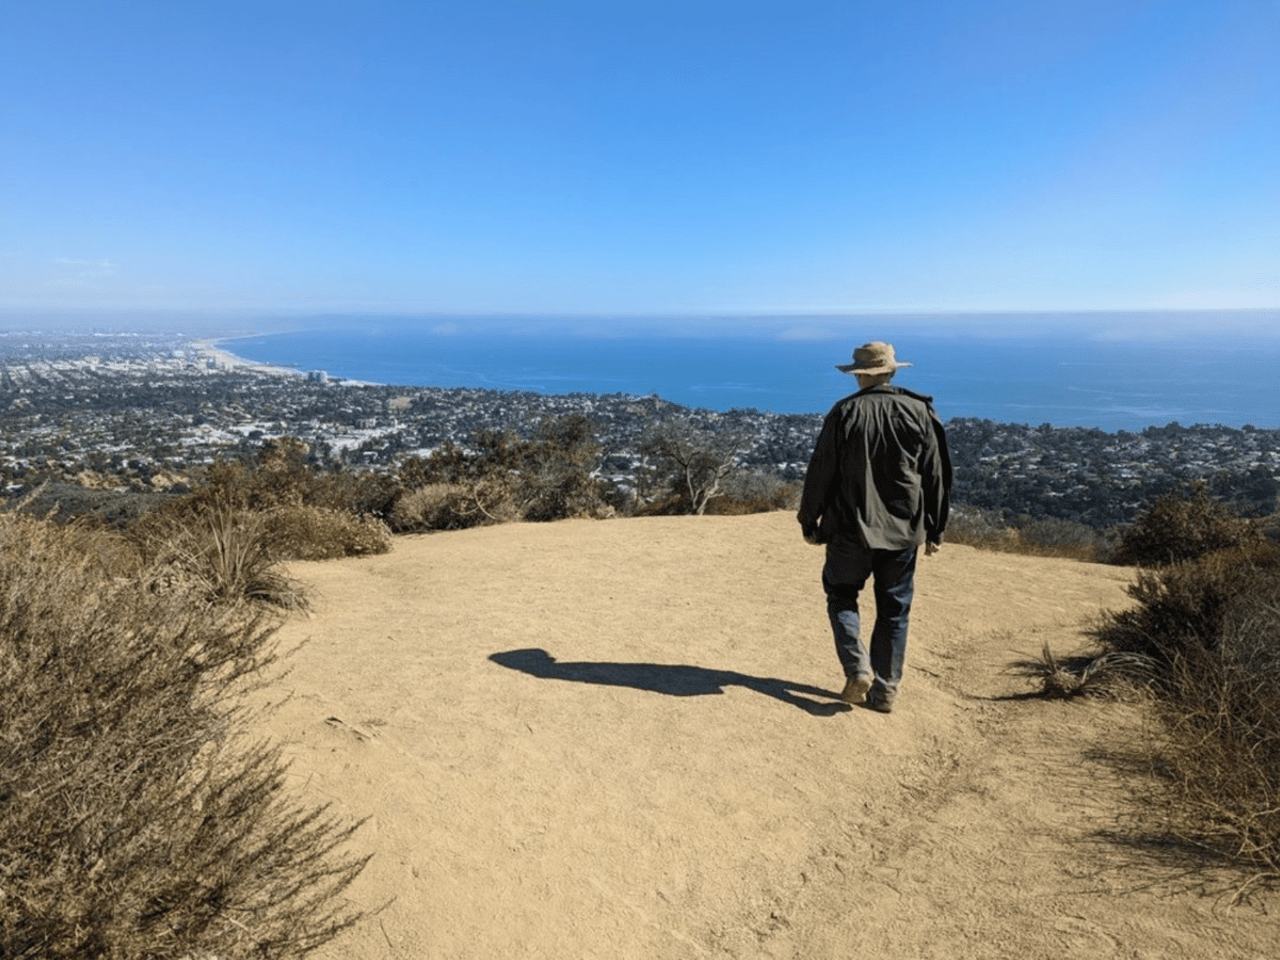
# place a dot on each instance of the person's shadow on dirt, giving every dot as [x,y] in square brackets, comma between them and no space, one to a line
[675,680]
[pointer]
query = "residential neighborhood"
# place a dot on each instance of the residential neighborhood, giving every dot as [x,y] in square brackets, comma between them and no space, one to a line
[143,412]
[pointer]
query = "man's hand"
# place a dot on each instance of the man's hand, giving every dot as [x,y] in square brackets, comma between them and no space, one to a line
[810,533]
[931,548]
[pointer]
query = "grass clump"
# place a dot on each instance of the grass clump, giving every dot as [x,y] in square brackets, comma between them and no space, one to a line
[217,555]
[136,819]
[1112,675]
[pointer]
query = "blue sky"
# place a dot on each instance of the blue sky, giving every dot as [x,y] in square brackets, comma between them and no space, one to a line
[639,156]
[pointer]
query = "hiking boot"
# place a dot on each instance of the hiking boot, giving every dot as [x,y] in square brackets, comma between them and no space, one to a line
[855,690]
[879,705]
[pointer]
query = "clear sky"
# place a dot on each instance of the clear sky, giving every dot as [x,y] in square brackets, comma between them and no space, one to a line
[639,156]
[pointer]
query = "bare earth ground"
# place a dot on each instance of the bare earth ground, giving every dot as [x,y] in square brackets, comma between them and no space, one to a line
[621,739]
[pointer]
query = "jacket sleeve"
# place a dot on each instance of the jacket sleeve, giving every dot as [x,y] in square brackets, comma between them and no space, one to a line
[821,477]
[935,474]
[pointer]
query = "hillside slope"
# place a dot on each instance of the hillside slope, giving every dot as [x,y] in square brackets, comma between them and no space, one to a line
[621,740]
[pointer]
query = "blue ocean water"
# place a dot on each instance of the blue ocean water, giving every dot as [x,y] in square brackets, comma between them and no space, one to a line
[1076,375]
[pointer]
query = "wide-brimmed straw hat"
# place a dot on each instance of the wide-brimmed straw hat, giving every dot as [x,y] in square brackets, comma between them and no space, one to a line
[873,358]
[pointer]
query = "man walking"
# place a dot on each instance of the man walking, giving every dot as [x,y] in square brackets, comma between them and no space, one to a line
[878,486]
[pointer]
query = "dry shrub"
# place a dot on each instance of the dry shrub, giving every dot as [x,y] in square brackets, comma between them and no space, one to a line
[217,555]
[1044,537]
[280,476]
[1219,766]
[1212,626]
[135,821]
[454,506]
[1055,537]
[1183,525]
[319,533]
[1183,607]
[754,491]
[500,477]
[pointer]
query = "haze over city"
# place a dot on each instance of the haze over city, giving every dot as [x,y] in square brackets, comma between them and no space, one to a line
[634,159]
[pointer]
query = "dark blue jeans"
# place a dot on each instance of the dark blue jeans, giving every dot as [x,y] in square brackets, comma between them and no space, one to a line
[848,566]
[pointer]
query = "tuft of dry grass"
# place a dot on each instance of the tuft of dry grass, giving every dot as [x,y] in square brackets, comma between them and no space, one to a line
[136,818]
[219,555]
[1112,675]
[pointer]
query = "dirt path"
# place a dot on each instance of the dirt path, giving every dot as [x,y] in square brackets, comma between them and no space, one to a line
[621,740]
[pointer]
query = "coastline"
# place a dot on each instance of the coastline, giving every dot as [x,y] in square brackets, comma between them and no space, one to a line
[211,349]
[1107,386]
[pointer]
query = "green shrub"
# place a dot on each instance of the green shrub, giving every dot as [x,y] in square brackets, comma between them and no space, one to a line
[1183,525]
[135,821]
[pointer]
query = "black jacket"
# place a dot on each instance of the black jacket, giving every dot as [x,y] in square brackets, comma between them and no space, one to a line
[880,473]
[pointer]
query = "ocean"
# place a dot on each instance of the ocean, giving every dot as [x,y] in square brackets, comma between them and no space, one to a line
[1113,372]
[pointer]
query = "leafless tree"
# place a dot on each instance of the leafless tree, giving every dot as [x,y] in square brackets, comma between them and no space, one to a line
[693,461]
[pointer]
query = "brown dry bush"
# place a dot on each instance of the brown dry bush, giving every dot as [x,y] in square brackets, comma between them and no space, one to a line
[1212,626]
[217,555]
[1044,537]
[320,533]
[502,477]
[280,474]
[1182,525]
[1218,762]
[137,822]
[754,491]
[305,514]
[454,506]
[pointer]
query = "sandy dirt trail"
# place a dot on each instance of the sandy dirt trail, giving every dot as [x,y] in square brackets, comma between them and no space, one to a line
[621,740]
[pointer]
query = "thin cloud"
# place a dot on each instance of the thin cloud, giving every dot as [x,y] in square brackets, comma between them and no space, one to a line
[83,278]
[808,334]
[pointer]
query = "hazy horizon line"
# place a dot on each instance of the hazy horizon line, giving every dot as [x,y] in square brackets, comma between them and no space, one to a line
[1126,324]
